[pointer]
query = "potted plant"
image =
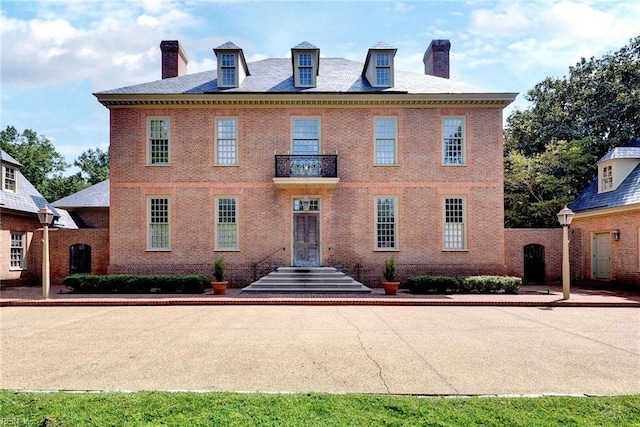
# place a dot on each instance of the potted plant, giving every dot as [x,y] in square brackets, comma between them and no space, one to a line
[389,273]
[218,269]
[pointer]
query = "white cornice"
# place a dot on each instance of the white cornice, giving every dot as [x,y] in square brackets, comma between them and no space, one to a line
[608,211]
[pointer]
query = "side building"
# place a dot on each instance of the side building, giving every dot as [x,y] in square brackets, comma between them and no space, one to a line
[306,161]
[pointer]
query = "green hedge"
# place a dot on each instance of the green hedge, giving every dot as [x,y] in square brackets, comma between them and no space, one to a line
[131,284]
[482,284]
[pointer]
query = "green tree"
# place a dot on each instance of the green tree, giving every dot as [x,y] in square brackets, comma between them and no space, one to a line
[599,99]
[39,158]
[539,185]
[94,165]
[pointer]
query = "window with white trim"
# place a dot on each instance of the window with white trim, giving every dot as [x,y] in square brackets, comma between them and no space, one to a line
[305,69]
[455,224]
[229,71]
[386,231]
[606,180]
[226,141]
[226,223]
[383,69]
[18,251]
[386,137]
[9,179]
[453,145]
[158,141]
[158,230]
[306,136]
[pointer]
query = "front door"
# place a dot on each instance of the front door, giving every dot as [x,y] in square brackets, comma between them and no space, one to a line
[534,264]
[601,256]
[305,240]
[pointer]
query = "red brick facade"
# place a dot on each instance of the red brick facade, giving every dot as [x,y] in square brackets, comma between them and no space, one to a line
[24,224]
[347,223]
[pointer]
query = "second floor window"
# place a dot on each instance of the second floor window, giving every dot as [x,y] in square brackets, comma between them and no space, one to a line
[9,179]
[158,143]
[226,141]
[385,141]
[453,146]
[158,234]
[306,136]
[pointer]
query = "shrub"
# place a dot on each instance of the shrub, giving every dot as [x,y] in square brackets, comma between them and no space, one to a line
[482,284]
[425,284]
[127,283]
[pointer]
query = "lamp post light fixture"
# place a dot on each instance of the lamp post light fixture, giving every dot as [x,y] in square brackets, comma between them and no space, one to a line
[46,218]
[565,216]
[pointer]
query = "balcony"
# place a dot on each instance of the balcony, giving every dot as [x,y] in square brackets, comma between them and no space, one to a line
[308,171]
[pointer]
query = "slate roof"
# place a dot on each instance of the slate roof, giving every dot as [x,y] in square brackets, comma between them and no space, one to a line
[29,200]
[96,196]
[6,158]
[274,75]
[627,193]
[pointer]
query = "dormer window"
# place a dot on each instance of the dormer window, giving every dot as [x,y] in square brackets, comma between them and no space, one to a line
[383,69]
[9,179]
[378,67]
[606,178]
[232,67]
[306,60]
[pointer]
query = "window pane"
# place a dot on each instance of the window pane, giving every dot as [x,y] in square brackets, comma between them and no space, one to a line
[227,227]
[228,60]
[159,223]
[383,76]
[306,78]
[382,60]
[385,141]
[159,141]
[305,136]
[10,179]
[304,60]
[385,223]
[454,226]
[17,256]
[453,144]
[226,142]
[228,76]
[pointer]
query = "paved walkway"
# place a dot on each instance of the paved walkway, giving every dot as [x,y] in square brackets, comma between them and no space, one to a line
[531,296]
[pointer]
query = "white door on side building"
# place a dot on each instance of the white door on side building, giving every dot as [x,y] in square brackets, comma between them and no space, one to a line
[601,256]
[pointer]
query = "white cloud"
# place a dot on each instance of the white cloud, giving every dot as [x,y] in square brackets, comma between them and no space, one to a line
[508,18]
[147,20]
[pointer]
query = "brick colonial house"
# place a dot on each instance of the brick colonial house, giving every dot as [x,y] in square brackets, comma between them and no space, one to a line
[608,214]
[20,249]
[306,161]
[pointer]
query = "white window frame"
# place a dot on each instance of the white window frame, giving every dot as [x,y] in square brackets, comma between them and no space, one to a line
[377,138]
[151,225]
[378,238]
[462,150]
[606,178]
[21,248]
[225,66]
[235,227]
[319,135]
[384,67]
[221,160]
[449,231]
[150,160]
[6,180]
[307,67]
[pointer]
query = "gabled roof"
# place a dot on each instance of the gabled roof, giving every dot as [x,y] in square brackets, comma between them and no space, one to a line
[627,193]
[274,75]
[6,158]
[28,200]
[96,196]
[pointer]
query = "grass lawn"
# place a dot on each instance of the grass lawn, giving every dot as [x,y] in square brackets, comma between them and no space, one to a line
[232,409]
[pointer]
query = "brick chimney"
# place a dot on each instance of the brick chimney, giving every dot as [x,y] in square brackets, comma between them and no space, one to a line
[436,58]
[174,60]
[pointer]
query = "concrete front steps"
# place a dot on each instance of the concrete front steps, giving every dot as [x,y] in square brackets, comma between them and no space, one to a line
[307,279]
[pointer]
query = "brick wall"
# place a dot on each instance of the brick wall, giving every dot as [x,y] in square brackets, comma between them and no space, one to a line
[26,224]
[347,222]
[625,262]
[551,239]
[92,217]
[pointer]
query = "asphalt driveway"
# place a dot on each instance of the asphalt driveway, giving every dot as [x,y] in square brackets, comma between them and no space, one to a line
[365,349]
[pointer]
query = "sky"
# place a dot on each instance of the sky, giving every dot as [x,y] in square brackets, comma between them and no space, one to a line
[56,54]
